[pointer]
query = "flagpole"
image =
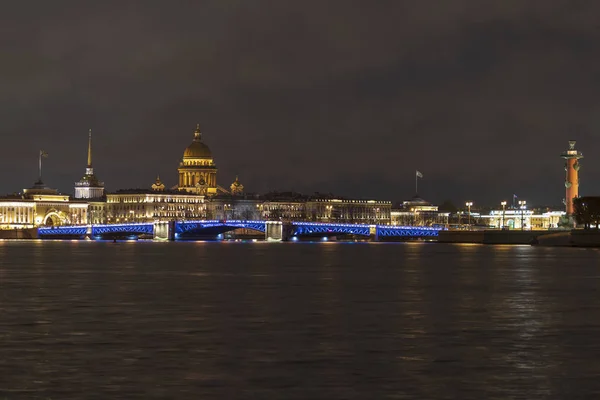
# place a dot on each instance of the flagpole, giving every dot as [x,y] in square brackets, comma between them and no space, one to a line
[416,184]
[40,165]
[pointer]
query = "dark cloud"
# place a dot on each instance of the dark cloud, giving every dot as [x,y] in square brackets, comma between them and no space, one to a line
[347,97]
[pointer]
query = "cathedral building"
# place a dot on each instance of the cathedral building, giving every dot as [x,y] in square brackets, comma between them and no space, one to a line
[89,187]
[197,170]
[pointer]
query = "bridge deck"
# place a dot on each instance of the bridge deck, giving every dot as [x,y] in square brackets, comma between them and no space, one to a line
[189,228]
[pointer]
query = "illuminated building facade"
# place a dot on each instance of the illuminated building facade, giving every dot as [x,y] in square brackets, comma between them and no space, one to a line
[40,205]
[571,157]
[89,187]
[290,206]
[349,211]
[523,219]
[140,205]
[418,212]
[225,207]
[197,170]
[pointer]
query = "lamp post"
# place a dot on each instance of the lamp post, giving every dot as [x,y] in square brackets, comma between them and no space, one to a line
[522,206]
[469,204]
[503,211]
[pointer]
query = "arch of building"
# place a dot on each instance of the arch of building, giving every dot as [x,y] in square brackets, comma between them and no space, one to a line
[55,218]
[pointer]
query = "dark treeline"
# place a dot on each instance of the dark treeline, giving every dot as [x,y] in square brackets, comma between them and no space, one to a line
[587,211]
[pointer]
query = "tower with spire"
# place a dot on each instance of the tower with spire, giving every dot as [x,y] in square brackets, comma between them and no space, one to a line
[89,187]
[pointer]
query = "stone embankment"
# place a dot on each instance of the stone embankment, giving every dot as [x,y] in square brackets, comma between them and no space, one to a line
[19,233]
[573,238]
[490,236]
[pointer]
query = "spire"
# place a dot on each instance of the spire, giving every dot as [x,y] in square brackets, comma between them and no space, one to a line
[89,164]
[197,134]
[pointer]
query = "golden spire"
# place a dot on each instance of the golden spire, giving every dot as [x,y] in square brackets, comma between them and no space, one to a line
[89,164]
[197,134]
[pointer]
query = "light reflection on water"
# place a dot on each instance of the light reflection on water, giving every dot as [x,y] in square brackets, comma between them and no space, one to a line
[297,321]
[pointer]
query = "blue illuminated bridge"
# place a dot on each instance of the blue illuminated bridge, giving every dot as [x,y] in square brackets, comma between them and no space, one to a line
[182,230]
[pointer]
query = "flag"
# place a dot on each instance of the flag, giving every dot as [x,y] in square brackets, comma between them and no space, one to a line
[43,153]
[419,174]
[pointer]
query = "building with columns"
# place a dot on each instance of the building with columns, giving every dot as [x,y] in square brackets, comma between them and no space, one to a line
[89,187]
[40,205]
[291,206]
[523,219]
[197,170]
[147,205]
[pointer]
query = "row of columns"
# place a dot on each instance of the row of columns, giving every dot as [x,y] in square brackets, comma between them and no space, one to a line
[17,214]
[191,178]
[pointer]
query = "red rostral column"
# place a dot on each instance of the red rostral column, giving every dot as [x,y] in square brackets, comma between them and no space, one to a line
[572,180]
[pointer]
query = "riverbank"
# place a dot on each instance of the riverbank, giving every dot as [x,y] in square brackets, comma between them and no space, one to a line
[573,238]
[490,237]
[31,233]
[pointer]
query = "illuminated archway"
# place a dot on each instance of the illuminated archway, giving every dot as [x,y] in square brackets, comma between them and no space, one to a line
[55,218]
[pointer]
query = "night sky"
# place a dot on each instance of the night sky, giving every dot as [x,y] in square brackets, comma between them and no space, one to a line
[341,96]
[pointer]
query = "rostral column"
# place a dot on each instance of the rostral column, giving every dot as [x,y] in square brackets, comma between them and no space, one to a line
[572,181]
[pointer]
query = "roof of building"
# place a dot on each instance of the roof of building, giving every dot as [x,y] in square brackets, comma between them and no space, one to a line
[197,149]
[150,191]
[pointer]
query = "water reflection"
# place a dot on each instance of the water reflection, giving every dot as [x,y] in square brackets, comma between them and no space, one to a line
[297,321]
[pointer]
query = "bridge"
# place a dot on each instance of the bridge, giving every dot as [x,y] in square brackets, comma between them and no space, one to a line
[97,231]
[192,229]
[273,230]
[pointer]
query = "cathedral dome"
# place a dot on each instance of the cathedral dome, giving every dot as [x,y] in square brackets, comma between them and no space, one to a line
[197,149]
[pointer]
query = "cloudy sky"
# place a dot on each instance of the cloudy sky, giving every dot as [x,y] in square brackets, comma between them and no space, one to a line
[349,97]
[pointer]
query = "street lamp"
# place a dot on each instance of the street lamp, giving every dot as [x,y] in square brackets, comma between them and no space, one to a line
[522,206]
[469,204]
[503,211]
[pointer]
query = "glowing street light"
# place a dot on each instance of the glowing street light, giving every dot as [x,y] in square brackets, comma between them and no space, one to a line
[469,204]
[503,211]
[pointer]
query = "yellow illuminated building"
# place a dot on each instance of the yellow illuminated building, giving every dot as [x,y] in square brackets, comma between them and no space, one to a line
[151,205]
[40,205]
[197,170]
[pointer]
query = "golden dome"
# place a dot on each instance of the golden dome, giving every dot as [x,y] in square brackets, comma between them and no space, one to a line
[197,149]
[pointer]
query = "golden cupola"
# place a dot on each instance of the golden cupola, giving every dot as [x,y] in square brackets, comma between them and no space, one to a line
[197,149]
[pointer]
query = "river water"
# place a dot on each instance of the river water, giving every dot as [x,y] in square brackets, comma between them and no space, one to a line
[102,320]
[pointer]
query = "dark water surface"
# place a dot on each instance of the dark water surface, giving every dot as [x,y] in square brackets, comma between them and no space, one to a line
[297,321]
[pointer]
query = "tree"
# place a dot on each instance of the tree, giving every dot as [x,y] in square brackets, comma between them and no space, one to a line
[247,214]
[448,206]
[587,211]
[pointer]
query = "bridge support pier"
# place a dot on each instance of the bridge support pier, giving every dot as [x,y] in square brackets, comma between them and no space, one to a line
[278,231]
[164,230]
[374,233]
